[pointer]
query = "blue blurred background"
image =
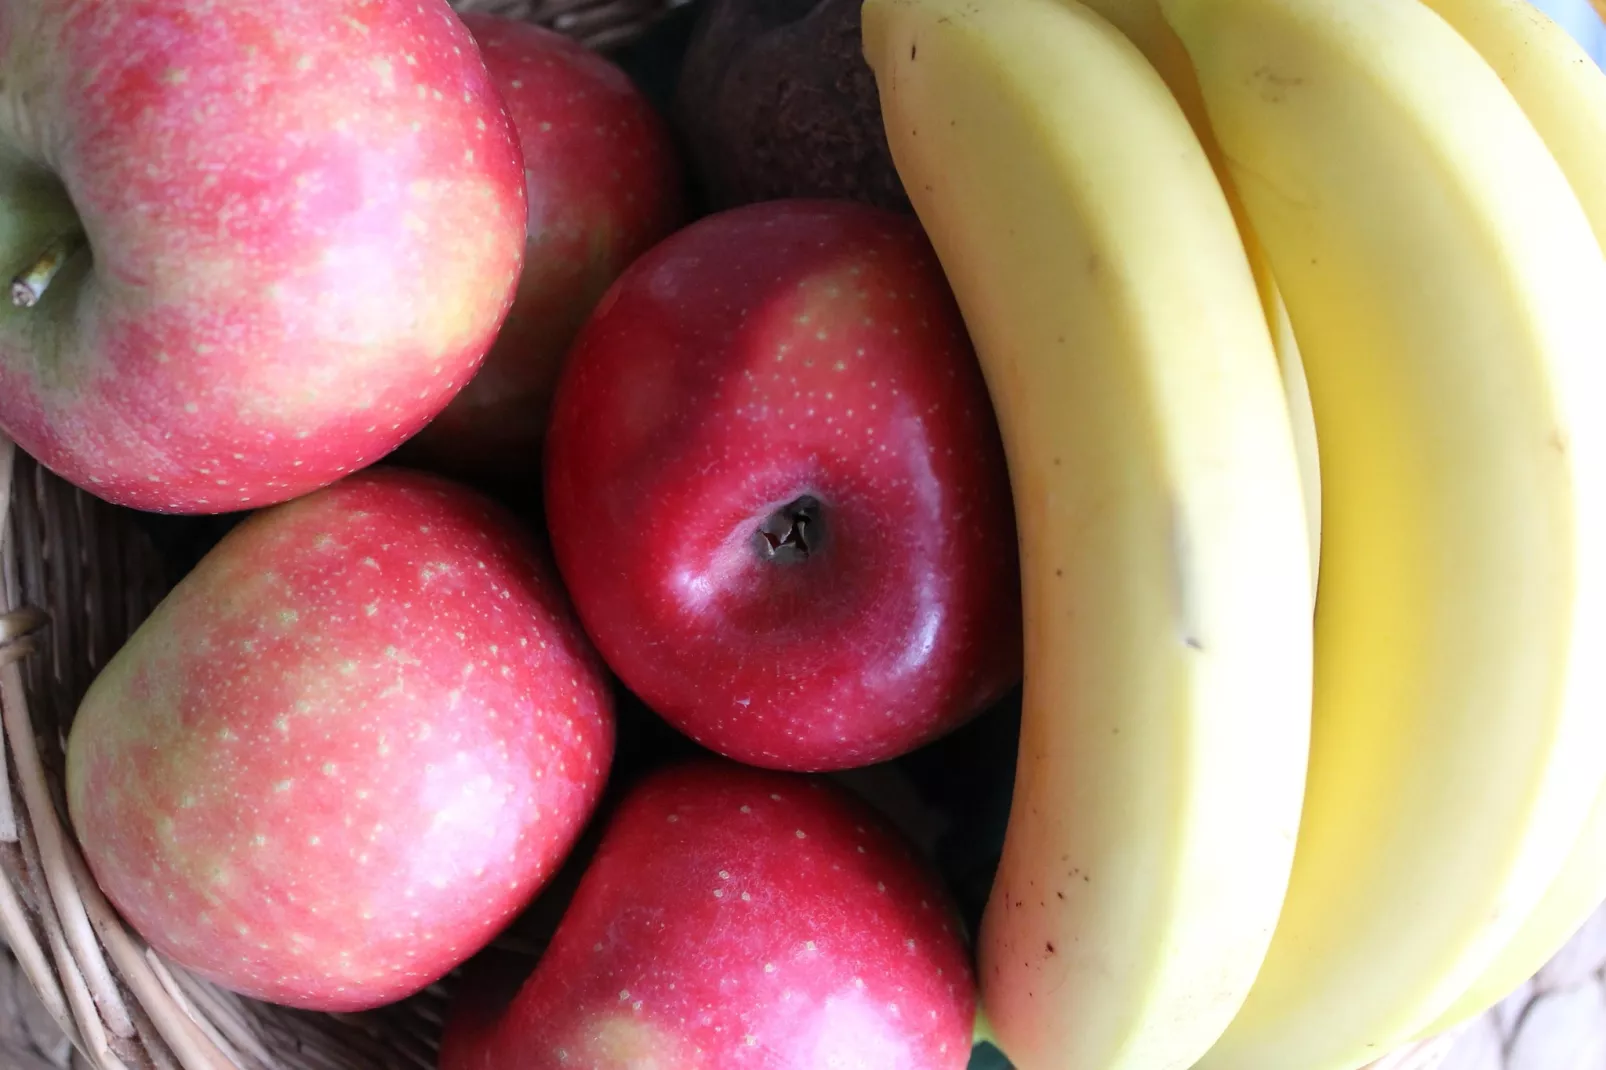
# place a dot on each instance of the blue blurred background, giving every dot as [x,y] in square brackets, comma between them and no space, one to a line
[1581,21]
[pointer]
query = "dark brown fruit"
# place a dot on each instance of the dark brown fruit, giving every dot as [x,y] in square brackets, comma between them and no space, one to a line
[776,100]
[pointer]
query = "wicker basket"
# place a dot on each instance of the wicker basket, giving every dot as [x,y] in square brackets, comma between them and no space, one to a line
[76,577]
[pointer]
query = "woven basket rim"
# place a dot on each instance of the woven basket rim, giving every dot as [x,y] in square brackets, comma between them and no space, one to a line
[121,1003]
[71,925]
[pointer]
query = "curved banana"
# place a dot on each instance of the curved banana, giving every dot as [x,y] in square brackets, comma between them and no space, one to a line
[1446,290]
[1163,543]
[1554,81]
[1144,25]
[1563,93]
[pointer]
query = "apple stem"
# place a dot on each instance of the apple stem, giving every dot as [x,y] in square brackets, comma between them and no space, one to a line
[791,533]
[30,285]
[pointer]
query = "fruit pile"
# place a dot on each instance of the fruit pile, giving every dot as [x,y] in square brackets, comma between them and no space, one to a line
[1207,380]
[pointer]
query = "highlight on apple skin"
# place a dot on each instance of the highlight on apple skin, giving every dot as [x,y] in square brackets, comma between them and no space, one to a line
[347,749]
[776,491]
[735,917]
[254,247]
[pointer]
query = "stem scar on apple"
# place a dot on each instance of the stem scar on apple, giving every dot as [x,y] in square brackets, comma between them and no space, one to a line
[793,532]
[28,286]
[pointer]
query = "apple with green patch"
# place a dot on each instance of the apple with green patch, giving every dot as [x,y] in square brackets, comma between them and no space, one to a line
[347,748]
[253,246]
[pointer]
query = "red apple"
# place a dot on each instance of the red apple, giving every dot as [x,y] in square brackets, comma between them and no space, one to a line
[737,918]
[777,494]
[265,243]
[603,181]
[346,749]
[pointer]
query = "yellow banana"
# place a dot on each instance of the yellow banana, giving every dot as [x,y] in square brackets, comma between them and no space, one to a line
[1573,896]
[1163,543]
[1446,289]
[1563,93]
[1144,25]
[1559,88]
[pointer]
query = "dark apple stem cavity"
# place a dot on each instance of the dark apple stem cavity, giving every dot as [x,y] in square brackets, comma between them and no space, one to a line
[793,532]
[30,285]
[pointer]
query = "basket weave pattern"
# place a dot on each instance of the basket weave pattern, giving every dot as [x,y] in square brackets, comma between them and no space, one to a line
[600,24]
[78,989]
